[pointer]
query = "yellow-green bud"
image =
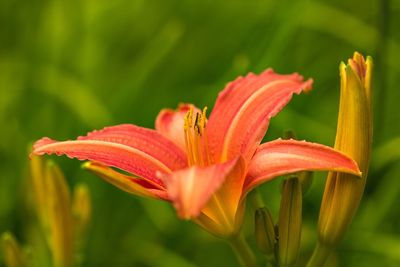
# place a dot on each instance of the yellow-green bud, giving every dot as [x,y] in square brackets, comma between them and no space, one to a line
[59,217]
[290,220]
[81,208]
[13,255]
[343,192]
[39,192]
[264,229]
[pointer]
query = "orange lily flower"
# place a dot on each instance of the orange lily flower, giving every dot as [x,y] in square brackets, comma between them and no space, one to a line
[205,167]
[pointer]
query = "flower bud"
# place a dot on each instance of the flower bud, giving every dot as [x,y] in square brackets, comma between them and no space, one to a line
[39,192]
[290,220]
[59,217]
[265,233]
[343,192]
[81,208]
[13,255]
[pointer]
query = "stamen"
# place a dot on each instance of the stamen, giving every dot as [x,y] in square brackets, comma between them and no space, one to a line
[196,126]
[204,118]
[188,138]
[196,139]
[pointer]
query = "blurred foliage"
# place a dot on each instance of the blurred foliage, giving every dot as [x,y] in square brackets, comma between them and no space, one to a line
[67,67]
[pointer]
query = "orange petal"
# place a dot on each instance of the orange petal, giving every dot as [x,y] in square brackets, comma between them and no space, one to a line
[146,140]
[281,157]
[130,184]
[243,109]
[190,189]
[140,151]
[170,123]
[228,197]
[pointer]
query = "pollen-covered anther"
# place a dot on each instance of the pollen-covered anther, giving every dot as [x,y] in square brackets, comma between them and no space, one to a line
[195,138]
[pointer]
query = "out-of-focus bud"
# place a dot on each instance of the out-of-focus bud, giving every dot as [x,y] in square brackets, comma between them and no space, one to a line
[343,192]
[13,255]
[81,208]
[39,190]
[290,220]
[265,233]
[59,217]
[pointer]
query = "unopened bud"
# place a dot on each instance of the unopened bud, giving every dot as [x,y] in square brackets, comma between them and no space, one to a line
[343,192]
[13,254]
[59,217]
[81,208]
[265,233]
[290,220]
[39,192]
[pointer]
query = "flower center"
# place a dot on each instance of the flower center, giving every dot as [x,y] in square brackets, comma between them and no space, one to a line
[196,138]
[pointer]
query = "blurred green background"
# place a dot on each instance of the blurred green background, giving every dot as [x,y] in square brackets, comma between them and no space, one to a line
[67,67]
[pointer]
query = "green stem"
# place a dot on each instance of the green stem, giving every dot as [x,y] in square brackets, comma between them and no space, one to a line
[242,250]
[320,255]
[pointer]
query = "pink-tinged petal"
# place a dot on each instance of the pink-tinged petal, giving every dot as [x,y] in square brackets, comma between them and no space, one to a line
[130,184]
[170,123]
[281,157]
[191,188]
[140,151]
[243,109]
[111,154]
[146,140]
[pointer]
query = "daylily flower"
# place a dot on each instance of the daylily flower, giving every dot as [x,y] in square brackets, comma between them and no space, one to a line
[205,167]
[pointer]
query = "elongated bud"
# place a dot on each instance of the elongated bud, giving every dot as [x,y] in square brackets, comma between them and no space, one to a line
[264,229]
[59,217]
[343,192]
[39,191]
[13,254]
[290,220]
[81,208]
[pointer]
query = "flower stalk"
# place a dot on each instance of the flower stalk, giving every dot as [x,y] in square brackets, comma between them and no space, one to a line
[242,250]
